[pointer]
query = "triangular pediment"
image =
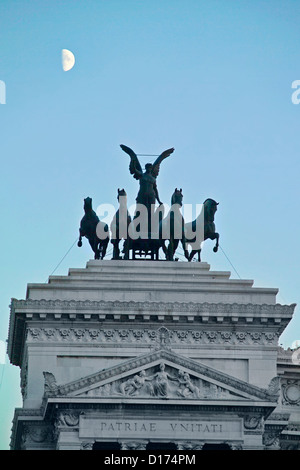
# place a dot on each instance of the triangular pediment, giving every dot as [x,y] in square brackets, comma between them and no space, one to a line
[159,375]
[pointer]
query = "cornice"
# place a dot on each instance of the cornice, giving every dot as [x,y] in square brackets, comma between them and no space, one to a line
[109,307]
[25,311]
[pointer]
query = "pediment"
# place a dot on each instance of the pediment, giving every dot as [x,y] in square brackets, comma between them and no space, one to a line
[161,375]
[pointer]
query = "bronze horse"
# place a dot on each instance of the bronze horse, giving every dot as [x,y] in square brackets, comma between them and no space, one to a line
[210,208]
[174,224]
[121,221]
[88,229]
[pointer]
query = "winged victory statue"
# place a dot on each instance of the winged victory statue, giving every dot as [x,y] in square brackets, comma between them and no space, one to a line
[148,193]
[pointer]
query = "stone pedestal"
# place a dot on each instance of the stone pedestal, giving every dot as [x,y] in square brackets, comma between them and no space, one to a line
[139,352]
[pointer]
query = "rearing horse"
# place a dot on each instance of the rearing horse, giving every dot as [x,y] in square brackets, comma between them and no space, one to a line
[209,229]
[88,229]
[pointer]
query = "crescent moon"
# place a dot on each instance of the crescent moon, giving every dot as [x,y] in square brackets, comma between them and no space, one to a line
[68,60]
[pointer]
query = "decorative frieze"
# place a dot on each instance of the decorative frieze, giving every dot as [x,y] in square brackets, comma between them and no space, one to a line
[143,336]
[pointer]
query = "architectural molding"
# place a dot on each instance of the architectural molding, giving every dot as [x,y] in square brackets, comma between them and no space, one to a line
[96,307]
[146,337]
[211,317]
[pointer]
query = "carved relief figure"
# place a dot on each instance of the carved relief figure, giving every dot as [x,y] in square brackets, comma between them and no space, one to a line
[187,388]
[160,385]
[134,385]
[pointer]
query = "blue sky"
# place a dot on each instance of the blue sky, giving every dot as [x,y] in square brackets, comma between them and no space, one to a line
[212,79]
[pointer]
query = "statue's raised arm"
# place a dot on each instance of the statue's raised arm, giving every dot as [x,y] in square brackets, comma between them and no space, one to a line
[134,166]
[156,164]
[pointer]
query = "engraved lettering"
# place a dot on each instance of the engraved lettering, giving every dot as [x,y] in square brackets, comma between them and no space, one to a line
[162,428]
[103,426]
[184,426]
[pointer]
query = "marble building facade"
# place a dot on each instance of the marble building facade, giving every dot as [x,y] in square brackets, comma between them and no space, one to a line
[136,355]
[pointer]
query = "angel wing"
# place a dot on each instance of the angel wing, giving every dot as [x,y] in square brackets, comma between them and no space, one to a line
[134,166]
[156,164]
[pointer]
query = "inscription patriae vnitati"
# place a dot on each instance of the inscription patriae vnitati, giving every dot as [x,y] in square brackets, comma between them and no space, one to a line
[138,428]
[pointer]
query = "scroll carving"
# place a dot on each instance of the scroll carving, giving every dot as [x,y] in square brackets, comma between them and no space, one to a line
[252,423]
[271,440]
[68,418]
[87,445]
[134,445]
[190,445]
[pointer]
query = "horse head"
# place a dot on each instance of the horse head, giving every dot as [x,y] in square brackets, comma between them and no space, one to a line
[210,208]
[87,204]
[121,192]
[177,197]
